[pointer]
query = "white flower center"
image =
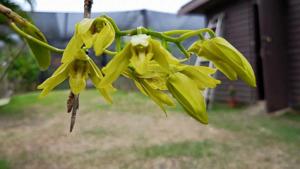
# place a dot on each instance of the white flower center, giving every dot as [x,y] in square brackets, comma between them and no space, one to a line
[140,39]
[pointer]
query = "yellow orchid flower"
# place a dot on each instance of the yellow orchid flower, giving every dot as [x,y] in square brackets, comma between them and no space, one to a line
[186,84]
[78,69]
[148,88]
[226,58]
[139,52]
[155,76]
[97,32]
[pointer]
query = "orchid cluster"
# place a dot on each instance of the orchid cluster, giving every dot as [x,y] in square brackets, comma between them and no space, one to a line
[146,60]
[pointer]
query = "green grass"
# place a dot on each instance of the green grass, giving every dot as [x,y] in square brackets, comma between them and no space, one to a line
[4,164]
[187,149]
[96,132]
[285,128]
[20,104]
[129,125]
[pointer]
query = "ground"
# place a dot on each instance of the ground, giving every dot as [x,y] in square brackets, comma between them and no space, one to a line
[134,134]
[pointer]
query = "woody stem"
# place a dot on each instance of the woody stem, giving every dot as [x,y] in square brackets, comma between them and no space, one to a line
[87,8]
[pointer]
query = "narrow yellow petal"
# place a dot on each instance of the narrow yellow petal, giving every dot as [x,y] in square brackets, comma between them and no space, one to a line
[157,82]
[72,49]
[58,77]
[236,60]
[85,28]
[157,96]
[85,25]
[104,38]
[202,79]
[153,70]
[185,91]
[161,55]
[77,75]
[116,66]
[77,84]
[204,69]
[226,69]
[96,76]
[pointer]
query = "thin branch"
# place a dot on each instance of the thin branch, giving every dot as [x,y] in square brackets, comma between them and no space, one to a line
[74,99]
[11,15]
[87,8]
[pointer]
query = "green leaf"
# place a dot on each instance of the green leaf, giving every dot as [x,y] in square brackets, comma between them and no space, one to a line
[41,53]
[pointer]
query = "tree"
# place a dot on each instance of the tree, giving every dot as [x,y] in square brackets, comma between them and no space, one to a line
[14,67]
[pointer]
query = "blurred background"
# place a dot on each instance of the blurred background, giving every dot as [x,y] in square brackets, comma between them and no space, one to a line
[253,128]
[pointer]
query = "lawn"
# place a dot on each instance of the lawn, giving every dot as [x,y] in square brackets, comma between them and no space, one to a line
[134,134]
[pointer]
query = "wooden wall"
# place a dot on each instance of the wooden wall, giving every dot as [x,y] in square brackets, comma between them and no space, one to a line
[293,33]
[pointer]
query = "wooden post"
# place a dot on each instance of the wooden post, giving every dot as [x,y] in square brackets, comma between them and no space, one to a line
[273,51]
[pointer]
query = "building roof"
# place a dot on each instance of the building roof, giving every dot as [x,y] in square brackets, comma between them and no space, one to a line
[201,6]
[190,6]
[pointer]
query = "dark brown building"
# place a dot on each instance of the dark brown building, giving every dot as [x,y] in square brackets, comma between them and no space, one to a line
[267,32]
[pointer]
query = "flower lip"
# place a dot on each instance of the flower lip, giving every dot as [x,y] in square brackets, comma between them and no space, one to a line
[141,39]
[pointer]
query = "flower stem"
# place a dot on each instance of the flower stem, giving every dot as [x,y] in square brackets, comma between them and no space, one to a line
[111,53]
[118,43]
[174,32]
[31,38]
[182,49]
[196,32]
